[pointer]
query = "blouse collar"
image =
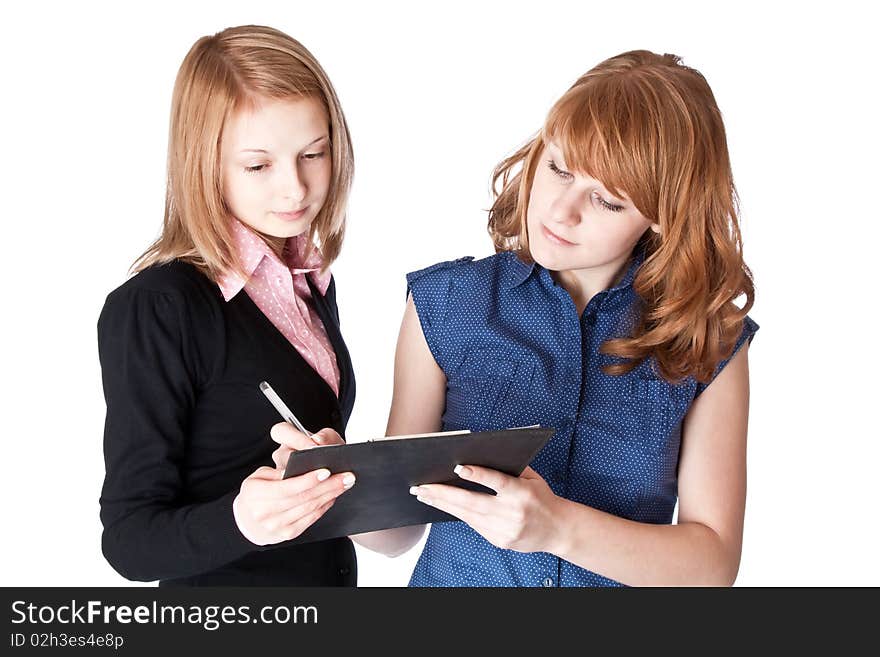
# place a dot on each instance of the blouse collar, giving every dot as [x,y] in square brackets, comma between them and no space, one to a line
[251,250]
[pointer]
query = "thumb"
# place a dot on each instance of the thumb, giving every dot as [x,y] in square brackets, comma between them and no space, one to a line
[327,436]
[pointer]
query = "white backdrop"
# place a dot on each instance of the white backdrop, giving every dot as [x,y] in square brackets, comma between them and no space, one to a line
[435,97]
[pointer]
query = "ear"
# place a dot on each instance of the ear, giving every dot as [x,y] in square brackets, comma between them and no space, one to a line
[655,227]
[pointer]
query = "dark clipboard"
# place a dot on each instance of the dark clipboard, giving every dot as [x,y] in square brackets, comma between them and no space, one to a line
[385,470]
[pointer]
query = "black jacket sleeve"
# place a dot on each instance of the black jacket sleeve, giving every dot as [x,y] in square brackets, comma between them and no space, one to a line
[150,373]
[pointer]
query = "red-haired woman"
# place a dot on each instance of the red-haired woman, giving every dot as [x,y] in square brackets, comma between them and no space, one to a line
[608,313]
[236,290]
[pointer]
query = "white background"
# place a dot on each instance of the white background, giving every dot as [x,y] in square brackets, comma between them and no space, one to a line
[435,97]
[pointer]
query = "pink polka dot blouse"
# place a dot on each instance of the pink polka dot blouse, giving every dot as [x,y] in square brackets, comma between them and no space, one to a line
[280,291]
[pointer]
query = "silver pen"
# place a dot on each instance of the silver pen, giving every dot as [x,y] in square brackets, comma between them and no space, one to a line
[281,407]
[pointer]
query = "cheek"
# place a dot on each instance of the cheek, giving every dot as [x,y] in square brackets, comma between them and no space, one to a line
[531,213]
[321,178]
[231,191]
[538,202]
[533,219]
[241,190]
[624,234]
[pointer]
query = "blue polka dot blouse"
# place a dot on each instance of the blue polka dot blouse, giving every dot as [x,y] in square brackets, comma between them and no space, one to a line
[515,353]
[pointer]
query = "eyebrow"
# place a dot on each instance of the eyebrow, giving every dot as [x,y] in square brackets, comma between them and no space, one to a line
[260,150]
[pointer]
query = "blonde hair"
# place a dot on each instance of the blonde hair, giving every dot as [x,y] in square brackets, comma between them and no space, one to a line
[220,75]
[648,126]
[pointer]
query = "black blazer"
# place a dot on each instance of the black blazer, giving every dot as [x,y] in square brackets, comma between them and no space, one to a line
[186,423]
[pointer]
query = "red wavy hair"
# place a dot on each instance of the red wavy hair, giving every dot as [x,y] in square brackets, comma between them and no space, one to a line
[648,126]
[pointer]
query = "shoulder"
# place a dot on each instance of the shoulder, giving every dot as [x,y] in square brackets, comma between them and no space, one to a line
[747,333]
[437,291]
[750,327]
[450,282]
[170,311]
[175,280]
[175,288]
[438,271]
[464,269]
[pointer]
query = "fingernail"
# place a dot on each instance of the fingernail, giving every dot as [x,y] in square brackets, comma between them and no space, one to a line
[323,474]
[458,469]
[348,481]
[413,490]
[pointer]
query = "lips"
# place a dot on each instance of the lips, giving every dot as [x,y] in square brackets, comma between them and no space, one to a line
[554,238]
[293,215]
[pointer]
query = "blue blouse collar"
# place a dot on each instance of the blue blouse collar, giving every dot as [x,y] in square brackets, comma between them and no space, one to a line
[519,271]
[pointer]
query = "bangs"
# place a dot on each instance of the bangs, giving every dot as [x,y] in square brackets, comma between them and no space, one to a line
[604,132]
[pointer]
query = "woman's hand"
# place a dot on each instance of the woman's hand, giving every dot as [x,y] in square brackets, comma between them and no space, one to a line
[520,517]
[292,440]
[269,509]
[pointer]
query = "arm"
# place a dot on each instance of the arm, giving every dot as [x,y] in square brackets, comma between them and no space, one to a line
[150,389]
[702,549]
[417,405]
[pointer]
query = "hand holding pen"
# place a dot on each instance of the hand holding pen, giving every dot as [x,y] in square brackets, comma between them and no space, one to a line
[290,439]
[282,409]
[269,509]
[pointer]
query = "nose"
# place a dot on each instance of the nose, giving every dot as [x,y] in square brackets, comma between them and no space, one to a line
[293,185]
[568,208]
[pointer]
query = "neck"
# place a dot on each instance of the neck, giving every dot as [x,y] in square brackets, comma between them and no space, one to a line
[277,244]
[584,284]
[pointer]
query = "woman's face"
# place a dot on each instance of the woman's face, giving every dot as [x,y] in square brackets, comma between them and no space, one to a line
[276,165]
[574,222]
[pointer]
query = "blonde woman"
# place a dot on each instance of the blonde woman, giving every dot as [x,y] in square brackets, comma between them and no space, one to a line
[236,290]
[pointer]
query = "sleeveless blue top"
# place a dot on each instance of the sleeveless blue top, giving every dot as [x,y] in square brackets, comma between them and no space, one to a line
[516,353]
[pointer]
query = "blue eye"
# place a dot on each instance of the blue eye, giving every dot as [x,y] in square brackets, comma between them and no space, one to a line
[565,175]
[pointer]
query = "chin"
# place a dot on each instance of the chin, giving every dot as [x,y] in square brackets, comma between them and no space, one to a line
[551,260]
[545,257]
[289,229]
[296,232]
[555,264]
